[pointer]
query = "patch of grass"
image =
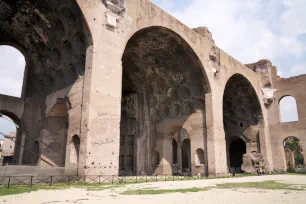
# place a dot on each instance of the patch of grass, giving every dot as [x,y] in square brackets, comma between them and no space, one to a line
[163,191]
[15,190]
[19,189]
[268,185]
[103,187]
[300,174]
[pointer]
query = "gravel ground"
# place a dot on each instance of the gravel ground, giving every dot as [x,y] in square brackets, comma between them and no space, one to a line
[213,196]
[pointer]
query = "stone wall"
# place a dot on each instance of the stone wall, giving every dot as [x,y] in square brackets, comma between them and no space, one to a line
[293,86]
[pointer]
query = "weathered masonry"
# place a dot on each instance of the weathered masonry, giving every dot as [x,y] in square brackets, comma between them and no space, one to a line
[121,87]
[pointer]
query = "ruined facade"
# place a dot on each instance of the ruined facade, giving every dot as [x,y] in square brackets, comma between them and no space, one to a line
[122,87]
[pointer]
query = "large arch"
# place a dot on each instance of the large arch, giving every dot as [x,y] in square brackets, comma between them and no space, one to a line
[163,83]
[242,117]
[54,37]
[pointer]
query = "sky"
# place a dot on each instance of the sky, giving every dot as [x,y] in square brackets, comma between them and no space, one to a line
[12,64]
[248,30]
[251,30]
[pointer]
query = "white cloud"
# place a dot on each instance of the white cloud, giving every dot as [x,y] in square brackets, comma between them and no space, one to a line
[244,29]
[294,18]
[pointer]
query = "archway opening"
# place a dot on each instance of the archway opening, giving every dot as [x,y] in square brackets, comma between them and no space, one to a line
[242,118]
[293,154]
[186,158]
[163,80]
[288,109]
[174,152]
[10,136]
[236,151]
[12,66]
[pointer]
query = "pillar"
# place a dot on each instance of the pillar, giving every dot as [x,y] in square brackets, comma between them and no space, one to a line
[216,144]
[164,146]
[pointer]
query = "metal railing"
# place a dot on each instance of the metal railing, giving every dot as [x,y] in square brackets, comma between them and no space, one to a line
[30,181]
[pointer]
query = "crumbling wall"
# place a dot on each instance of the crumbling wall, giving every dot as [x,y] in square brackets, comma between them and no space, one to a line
[55,40]
[295,87]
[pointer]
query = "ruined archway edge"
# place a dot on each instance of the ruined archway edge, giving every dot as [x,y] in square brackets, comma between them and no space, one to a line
[103,80]
[255,86]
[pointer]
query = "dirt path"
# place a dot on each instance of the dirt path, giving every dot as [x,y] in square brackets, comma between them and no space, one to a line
[214,196]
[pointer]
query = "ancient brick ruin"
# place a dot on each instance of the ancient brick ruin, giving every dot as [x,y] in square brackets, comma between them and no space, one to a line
[122,87]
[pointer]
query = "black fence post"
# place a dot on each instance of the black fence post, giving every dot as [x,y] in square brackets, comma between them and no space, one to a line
[9,182]
[112,179]
[99,180]
[51,180]
[69,180]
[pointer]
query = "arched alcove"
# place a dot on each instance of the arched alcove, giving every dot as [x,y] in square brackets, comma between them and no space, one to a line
[75,149]
[200,156]
[242,117]
[174,152]
[288,109]
[157,158]
[12,67]
[186,157]
[163,80]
